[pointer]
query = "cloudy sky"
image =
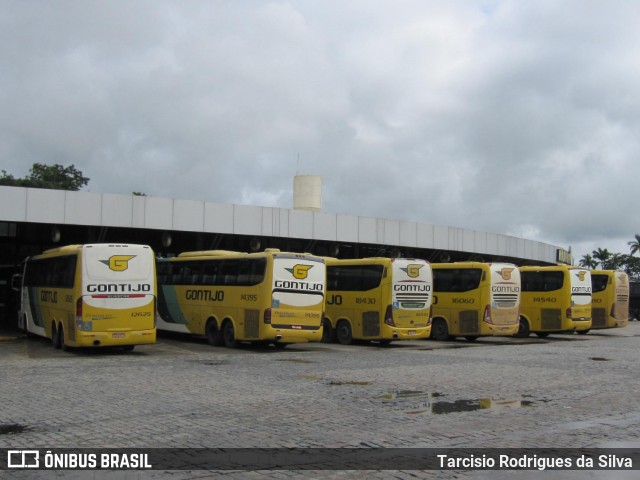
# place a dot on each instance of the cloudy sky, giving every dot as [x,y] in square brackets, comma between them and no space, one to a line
[514,117]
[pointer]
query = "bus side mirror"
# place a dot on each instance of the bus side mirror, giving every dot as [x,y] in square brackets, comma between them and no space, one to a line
[16,282]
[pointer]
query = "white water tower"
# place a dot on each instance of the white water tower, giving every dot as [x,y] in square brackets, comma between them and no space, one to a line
[307,192]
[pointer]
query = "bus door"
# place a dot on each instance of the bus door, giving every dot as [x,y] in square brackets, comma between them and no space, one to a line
[169,311]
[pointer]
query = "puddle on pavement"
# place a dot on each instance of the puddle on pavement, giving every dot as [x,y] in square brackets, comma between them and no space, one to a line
[12,428]
[310,377]
[414,402]
[599,359]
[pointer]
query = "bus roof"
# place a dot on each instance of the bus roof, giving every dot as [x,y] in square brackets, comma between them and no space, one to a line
[471,264]
[533,268]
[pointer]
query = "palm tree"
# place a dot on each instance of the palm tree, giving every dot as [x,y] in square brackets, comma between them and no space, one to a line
[601,256]
[587,261]
[634,245]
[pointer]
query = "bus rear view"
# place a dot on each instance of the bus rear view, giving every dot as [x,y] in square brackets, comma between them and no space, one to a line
[475,299]
[94,295]
[554,300]
[610,299]
[118,296]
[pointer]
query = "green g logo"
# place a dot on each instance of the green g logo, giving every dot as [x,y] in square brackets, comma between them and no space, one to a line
[118,263]
[300,271]
[412,270]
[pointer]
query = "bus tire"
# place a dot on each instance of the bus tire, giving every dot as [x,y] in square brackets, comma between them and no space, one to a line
[584,332]
[55,337]
[63,346]
[214,335]
[328,333]
[523,328]
[439,330]
[471,338]
[343,332]
[229,335]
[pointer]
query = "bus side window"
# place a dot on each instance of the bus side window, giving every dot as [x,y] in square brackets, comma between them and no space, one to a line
[210,273]
[553,281]
[163,270]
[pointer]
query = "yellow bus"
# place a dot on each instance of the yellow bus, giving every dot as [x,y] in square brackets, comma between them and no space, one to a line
[230,297]
[474,299]
[94,295]
[609,299]
[381,299]
[555,299]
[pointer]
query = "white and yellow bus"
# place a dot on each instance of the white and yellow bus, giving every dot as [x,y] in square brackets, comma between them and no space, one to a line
[230,297]
[474,299]
[609,299]
[555,299]
[94,295]
[380,299]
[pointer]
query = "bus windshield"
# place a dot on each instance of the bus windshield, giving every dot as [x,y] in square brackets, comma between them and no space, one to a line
[580,287]
[123,272]
[412,281]
[297,282]
[599,282]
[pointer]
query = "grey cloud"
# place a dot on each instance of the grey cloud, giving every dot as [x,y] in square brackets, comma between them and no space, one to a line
[501,116]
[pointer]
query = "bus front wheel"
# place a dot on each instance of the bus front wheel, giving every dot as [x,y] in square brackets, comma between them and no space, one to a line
[439,330]
[229,335]
[343,333]
[523,328]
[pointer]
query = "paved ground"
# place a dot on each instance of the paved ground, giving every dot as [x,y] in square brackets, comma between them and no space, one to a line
[563,391]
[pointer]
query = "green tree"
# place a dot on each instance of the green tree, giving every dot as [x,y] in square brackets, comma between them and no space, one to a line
[587,261]
[601,256]
[615,261]
[54,176]
[634,245]
[632,267]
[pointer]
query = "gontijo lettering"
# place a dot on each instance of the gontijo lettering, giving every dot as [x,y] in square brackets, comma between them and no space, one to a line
[290,285]
[118,287]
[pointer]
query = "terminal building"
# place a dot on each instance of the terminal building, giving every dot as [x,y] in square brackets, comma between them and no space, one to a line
[33,220]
